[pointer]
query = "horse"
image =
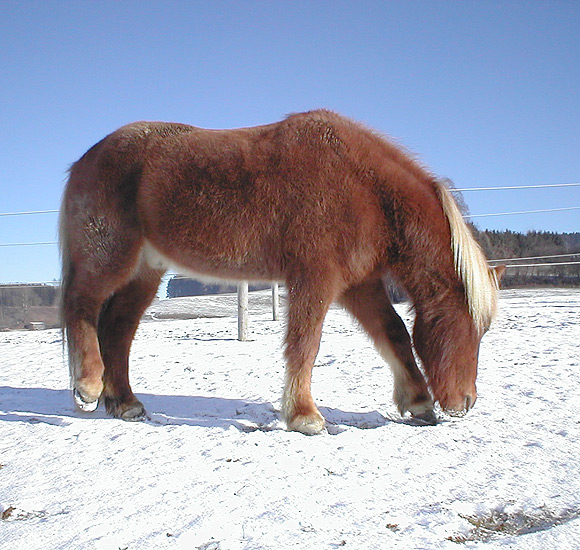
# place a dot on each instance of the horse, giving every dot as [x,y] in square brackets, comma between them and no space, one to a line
[317,201]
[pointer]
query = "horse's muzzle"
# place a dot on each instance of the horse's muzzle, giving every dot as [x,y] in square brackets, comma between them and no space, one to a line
[461,409]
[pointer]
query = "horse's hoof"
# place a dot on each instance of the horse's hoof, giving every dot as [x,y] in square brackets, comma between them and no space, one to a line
[429,418]
[131,411]
[308,425]
[134,414]
[83,405]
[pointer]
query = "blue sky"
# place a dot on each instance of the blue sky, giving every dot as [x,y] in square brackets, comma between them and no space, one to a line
[486,93]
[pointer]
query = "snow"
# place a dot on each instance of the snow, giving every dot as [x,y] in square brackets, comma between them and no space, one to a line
[214,468]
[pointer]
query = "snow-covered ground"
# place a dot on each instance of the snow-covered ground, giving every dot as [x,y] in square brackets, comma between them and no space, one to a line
[214,468]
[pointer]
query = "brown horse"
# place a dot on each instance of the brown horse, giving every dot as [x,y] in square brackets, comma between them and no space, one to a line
[316,201]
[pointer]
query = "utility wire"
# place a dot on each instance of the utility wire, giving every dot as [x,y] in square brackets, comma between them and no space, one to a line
[536,257]
[469,216]
[523,212]
[462,190]
[28,213]
[541,265]
[545,186]
[28,244]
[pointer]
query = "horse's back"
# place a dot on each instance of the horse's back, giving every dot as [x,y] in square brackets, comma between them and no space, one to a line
[258,201]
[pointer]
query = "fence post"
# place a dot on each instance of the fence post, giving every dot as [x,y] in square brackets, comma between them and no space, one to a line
[243,311]
[275,302]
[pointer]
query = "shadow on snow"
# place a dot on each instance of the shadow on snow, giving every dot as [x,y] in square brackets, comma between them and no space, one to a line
[56,406]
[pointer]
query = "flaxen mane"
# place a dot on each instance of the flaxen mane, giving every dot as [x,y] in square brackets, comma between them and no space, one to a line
[480,282]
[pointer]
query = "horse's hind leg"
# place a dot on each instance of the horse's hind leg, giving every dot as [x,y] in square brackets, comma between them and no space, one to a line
[117,326]
[84,293]
[99,257]
[308,303]
[369,304]
[81,306]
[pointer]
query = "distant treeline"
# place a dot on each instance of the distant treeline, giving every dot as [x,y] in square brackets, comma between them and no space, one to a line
[25,295]
[500,245]
[23,304]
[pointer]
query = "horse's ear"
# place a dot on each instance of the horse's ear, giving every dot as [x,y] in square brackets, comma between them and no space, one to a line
[497,273]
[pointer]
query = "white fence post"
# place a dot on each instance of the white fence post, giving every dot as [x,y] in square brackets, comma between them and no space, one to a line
[243,311]
[275,302]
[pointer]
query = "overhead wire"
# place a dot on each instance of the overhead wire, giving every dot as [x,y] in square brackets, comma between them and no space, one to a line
[453,189]
[28,213]
[512,187]
[522,212]
[29,244]
[542,265]
[469,216]
[536,257]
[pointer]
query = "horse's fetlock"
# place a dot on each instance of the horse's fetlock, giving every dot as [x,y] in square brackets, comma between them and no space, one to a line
[305,419]
[307,424]
[417,406]
[89,388]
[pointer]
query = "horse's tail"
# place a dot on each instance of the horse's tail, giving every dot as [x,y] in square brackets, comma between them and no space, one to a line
[63,240]
[480,282]
[65,275]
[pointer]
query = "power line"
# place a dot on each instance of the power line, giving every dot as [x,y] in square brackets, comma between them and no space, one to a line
[28,213]
[542,265]
[545,186]
[523,212]
[468,216]
[536,257]
[28,244]
[462,190]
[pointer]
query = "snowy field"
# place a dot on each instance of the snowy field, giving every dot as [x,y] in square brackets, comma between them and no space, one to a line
[214,468]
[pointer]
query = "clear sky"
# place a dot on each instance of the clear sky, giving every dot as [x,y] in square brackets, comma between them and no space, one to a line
[485,92]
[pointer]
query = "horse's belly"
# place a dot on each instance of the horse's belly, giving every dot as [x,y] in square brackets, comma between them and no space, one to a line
[209,267]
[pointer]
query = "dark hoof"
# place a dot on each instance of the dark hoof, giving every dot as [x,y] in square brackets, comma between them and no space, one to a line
[134,414]
[132,411]
[428,418]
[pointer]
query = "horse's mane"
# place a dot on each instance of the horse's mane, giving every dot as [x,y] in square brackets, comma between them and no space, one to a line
[480,282]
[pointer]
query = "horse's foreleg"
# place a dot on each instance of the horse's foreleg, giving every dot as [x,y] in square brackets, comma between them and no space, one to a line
[307,308]
[370,305]
[117,326]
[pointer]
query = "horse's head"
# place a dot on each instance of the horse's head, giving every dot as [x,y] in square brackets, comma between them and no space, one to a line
[447,339]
